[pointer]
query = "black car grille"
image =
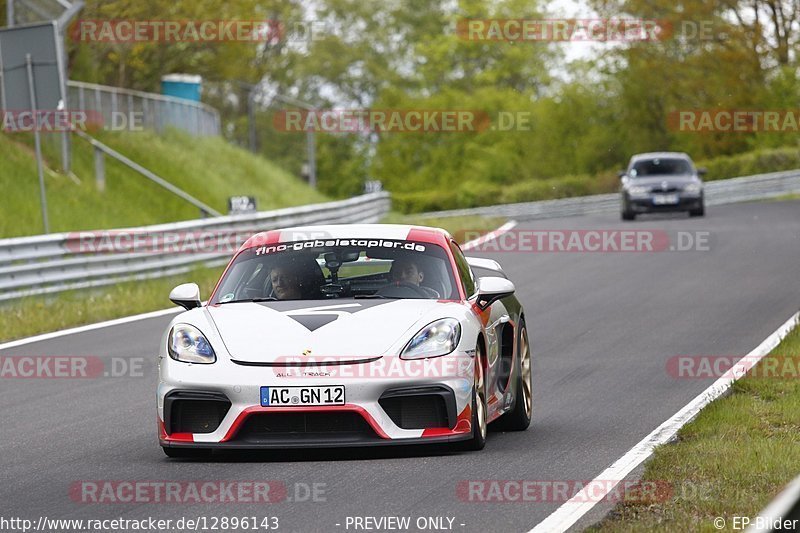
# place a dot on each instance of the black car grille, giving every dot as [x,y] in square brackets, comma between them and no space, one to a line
[417,411]
[194,412]
[659,190]
[267,428]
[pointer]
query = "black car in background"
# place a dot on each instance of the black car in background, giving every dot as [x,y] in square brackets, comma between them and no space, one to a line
[661,181]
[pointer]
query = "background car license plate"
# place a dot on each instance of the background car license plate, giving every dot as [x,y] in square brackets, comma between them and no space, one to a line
[302,396]
[665,199]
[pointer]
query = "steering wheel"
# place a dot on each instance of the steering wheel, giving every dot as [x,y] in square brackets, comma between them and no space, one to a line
[400,289]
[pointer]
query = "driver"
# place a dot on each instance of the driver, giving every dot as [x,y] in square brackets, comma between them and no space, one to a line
[405,269]
[285,283]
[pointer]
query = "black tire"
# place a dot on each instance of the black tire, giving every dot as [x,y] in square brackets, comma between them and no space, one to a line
[187,453]
[519,418]
[479,427]
[698,212]
[626,213]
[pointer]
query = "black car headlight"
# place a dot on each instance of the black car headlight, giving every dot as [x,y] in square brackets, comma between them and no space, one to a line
[187,344]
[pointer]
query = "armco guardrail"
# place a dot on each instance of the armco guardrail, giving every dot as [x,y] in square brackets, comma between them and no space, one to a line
[156,111]
[782,514]
[47,264]
[718,192]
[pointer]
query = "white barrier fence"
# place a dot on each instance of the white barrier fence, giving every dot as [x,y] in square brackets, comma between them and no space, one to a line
[718,192]
[53,263]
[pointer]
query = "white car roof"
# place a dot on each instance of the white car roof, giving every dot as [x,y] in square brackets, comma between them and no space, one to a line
[661,155]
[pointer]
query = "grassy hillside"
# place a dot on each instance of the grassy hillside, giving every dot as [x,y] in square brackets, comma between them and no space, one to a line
[208,168]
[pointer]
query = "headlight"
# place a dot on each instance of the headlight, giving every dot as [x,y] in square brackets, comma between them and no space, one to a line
[435,339]
[693,188]
[188,345]
[638,190]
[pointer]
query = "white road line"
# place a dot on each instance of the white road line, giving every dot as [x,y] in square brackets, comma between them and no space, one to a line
[489,236]
[89,327]
[571,511]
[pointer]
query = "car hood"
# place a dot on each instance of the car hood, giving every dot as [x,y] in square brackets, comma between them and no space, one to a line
[271,332]
[671,180]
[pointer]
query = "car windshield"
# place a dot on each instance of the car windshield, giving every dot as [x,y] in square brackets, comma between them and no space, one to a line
[339,268]
[660,167]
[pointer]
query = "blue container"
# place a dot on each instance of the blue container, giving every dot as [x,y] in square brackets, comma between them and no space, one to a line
[186,86]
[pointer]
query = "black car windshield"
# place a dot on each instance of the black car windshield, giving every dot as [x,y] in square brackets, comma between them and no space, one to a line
[660,167]
[338,268]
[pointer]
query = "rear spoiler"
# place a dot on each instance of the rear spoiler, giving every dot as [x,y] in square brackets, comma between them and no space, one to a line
[486,264]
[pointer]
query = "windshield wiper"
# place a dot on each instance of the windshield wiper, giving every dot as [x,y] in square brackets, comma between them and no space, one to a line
[253,300]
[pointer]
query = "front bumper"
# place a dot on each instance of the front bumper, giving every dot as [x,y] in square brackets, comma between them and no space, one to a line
[647,204]
[226,412]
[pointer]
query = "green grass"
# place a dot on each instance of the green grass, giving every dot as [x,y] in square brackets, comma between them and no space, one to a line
[209,169]
[785,197]
[732,460]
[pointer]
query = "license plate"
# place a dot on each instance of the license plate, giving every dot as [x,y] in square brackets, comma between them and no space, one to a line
[665,199]
[302,396]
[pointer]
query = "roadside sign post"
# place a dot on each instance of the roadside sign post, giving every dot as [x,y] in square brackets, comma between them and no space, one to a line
[33,82]
[37,141]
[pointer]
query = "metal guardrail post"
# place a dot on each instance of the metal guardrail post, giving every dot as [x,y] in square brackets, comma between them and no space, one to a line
[145,114]
[37,143]
[99,169]
[98,102]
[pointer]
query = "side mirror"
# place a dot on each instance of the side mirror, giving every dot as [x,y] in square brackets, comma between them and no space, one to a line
[492,288]
[186,295]
[621,174]
[702,171]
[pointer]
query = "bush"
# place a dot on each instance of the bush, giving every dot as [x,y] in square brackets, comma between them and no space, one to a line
[747,164]
[475,194]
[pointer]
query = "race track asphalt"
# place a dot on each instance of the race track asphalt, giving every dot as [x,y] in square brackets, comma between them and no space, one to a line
[603,326]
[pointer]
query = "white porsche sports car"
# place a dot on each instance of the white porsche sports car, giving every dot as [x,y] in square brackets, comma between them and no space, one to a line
[344,335]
